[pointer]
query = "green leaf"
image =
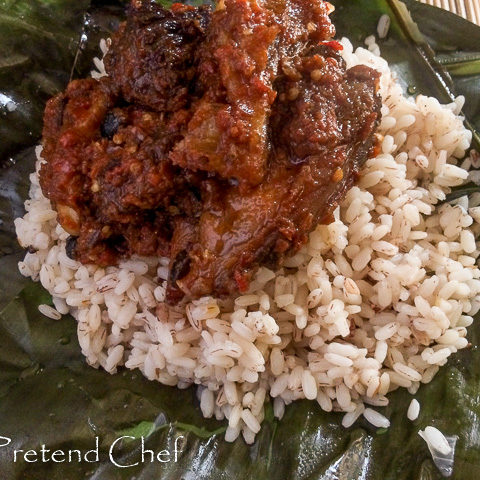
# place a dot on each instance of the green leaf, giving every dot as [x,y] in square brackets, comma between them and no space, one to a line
[460,63]
[48,395]
[200,432]
[142,429]
[39,40]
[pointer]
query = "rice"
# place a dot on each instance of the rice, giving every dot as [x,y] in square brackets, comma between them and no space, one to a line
[441,448]
[376,300]
[436,440]
[376,418]
[49,312]
[413,410]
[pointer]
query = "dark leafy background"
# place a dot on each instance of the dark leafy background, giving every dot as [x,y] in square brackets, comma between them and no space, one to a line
[47,393]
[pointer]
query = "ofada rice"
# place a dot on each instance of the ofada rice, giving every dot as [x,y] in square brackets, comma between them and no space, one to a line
[377,300]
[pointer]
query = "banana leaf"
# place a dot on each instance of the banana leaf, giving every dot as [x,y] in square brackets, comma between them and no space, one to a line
[48,396]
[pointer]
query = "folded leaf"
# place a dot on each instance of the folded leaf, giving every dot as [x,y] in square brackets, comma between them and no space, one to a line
[48,395]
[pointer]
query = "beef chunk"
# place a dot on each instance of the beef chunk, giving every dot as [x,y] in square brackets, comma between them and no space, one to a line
[151,59]
[323,126]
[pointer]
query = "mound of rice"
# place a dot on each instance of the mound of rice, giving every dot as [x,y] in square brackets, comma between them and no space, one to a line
[377,300]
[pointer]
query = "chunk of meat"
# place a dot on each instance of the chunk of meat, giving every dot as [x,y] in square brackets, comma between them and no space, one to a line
[129,171]
[246,41]
[322,128]
[100,243]
[151,59]
[227,134]
[72,121]
[108,175]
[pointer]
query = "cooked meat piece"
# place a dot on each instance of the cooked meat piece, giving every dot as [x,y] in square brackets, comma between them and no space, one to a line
[104,244]
[130,171]
[238,65]
[303,24]
[108,175]
[322,130]
[151,59]
[72,122]
[228,132]
[219,140]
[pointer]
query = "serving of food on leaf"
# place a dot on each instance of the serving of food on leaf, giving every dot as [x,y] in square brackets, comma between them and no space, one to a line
[238,200]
